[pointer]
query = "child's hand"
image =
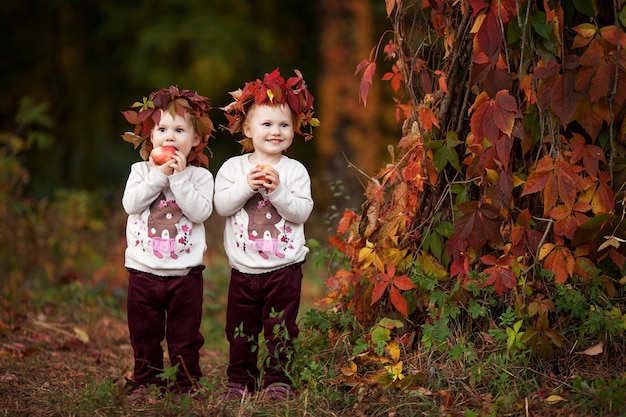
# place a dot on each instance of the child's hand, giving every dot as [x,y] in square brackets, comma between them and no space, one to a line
[180,161]
[167,168]
[263,177]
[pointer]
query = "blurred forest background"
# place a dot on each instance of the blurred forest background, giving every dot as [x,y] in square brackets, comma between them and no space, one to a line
[87,60]
[70,66]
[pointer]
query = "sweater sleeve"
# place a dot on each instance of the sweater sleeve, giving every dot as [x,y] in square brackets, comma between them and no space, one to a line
[193,192]
[292,198]
[142,187]
[231,188]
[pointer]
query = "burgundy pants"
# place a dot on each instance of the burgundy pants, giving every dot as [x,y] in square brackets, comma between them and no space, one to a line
[266,302]
[166,308]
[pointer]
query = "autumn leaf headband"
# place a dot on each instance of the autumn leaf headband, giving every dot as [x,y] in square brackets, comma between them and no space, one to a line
[272,91]
[174,101]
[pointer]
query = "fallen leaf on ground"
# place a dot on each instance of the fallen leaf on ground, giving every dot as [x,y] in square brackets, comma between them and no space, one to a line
[594,350]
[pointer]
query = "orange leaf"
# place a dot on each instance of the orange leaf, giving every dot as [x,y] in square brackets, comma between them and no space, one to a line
[403,283]
[585,33]
[602,200]
[390,4]
[505,111]
[592,116]
[398,301]
[428,119]
[347,219]
[378,291]
[611,34]
[561,262]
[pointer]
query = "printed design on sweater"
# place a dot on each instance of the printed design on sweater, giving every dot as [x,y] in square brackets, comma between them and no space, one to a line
[167,231]
[265,227]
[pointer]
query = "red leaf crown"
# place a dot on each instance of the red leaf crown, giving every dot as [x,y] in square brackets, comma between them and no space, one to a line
[174,101]
[272,91]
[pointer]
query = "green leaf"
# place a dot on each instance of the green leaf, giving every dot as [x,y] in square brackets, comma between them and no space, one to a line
[585,7]
[445,155]
[380,335]
[426,240]
[434,144]
[514,33]
[390,323]
[436,246]
[452,140]
[538,21]
[445,229]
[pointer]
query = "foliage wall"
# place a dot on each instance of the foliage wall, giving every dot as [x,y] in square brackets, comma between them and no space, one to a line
[504,195]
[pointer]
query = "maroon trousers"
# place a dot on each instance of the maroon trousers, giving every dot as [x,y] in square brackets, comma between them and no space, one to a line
[266,302]
[167,308]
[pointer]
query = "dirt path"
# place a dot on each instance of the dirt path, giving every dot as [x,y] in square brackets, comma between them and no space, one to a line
[59,368]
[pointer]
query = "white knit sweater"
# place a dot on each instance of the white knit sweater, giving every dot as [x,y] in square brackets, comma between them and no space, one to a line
[165,228]
[263,232]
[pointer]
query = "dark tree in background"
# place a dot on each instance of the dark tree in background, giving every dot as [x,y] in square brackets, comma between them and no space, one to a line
[91,59]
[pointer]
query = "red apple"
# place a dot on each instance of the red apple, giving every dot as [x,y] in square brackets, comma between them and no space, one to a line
[162,154]
[263,168]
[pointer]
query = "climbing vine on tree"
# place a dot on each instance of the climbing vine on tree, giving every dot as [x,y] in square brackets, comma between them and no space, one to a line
[507,182]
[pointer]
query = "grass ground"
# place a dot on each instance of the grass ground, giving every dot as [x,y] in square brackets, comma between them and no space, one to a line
[64,351]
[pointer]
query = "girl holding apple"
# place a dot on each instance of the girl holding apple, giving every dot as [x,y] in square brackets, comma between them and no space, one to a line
[266,198]
[167,197]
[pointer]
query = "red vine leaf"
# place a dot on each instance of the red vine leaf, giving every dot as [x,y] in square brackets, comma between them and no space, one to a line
[559,260]
[523,237]
[556,179]
[591,155]
[366,78]
[499,274]
[594,76]
[494,116]
[395,77]
[592,115]
[478,223]
[556,89]
[569,219]
[389,281]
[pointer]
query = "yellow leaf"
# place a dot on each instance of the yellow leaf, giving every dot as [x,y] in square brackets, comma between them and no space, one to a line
[367,254]
[517,181]
[553,399]
[492,175]
[432,267]
[545,250]
[81,335]
[478,23]
[379,263]
[393,351]
[395,370]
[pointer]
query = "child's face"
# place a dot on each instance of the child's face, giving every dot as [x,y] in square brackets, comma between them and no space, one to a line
[176,131]
[270,128]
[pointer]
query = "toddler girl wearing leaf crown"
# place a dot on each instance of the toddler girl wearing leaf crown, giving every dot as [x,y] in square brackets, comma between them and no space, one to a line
[266,198]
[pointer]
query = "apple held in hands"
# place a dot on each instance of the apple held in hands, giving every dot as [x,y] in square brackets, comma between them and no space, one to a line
[162,154]
[263,168]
